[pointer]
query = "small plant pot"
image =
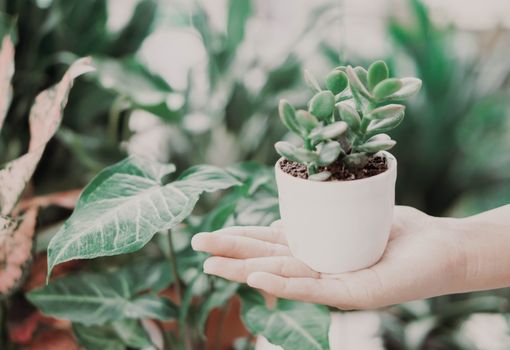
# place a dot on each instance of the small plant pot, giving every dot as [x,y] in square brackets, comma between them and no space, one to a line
[337,226]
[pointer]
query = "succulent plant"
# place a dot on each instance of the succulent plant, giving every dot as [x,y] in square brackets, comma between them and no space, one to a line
[347,120]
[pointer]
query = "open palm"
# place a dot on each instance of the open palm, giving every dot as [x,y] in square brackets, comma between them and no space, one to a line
[421,260]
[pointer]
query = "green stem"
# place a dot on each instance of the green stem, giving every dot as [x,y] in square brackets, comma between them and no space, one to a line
[178,287]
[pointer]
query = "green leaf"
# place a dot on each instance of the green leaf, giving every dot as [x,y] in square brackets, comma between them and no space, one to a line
[388,111]
[311,81]
[330,131]
[288,116]
[126,204]
[362,75]
[306,120]
[322,104]
[295,154]
[410,86]
[381,142]
[97,298]
[336,81]
[356,160]
[112,336]
[357,86]
[384,125]
[222,293]
[349,115]
[387,87]
[290,324]
[377,72]
[322,176]
[329,152]
[238,15]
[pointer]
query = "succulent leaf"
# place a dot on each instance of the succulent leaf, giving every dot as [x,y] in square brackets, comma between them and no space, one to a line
[328,132]
[387,87]
[355,83]
[349,115]
[322,104]
[311,81]
[410,86]
[376,144]
[295,154]
[288,116]
[388,111]
[356,160]
[336,81]
[377,72]
[322,176]
[306,120]
[329,152]
[384,125]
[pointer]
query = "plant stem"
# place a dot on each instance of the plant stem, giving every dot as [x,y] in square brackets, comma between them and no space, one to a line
[178,287]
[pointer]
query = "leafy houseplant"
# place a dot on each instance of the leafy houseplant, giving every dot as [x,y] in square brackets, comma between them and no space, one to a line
[342,169]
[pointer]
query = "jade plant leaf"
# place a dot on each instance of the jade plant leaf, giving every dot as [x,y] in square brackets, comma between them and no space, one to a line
[290,324]
[97,298]
[126,204]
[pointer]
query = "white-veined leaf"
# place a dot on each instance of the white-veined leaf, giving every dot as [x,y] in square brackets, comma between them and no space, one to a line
[290,324]
[126,204]
[93,298]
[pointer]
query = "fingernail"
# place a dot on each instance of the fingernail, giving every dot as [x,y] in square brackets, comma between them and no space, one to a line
[207,266]
[195,241]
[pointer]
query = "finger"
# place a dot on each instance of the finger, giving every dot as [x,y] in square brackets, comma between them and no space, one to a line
[272,234]
[238,247]
[239,269]
[333,292]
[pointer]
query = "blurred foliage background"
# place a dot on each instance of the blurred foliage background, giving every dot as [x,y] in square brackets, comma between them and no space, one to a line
[198,82]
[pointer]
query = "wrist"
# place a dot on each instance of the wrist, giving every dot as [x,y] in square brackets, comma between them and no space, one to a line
[482,256]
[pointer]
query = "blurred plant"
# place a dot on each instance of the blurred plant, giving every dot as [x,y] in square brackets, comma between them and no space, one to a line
[464,101]
[363,100]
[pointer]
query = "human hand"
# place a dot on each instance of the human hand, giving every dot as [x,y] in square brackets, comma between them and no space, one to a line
[424,258]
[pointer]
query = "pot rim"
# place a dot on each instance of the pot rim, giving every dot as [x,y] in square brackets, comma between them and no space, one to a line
[391,169]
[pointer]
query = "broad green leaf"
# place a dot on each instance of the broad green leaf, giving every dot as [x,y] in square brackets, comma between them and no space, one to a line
[112,336]
[151,92]
[388,111]
[290,324]
[322,104]
[239,13]
[97,298]
[222,293]
[126,204]
[45,117]
[288,116]
[387,87]
[377,72]
[336,81]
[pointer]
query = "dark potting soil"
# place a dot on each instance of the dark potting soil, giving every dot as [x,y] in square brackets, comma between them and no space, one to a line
[339,172]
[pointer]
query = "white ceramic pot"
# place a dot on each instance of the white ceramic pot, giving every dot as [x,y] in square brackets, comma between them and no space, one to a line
[337,226]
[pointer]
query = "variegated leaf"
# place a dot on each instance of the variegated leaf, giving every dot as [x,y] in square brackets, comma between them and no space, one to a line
[6,73]
[126,204]
[45,118]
